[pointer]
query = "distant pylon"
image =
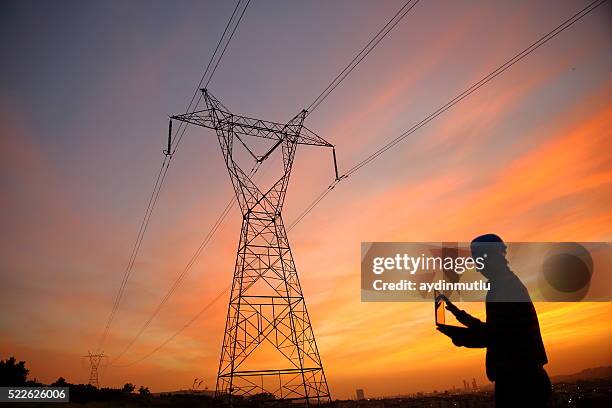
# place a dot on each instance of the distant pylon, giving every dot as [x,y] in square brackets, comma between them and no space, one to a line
[94,363]
[266,305]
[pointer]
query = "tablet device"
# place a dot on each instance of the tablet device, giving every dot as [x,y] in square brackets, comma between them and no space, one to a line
[439,306]
[440,312]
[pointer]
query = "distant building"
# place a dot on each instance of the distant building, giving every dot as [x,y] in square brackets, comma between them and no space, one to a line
[474,386]
[466,386]
[360,394]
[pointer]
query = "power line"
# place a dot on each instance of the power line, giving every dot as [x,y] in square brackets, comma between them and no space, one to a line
[161,176]
[518,57]
[380,35]
[314,203]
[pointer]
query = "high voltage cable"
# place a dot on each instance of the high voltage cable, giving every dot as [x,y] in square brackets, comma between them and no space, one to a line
[162,175]
[563,26]
[380,35]
[314,203]
[373,156]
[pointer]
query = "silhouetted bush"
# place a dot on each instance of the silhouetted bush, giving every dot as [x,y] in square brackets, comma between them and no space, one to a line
[61,382]
[128,388]
[13,373]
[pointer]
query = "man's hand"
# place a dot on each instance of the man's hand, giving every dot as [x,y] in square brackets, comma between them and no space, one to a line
[462,316]
[454,333]
[451,307]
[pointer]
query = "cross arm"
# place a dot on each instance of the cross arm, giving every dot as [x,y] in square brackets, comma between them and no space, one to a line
[218,119]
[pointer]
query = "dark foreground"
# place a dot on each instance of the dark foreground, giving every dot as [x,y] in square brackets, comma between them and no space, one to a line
[580,394]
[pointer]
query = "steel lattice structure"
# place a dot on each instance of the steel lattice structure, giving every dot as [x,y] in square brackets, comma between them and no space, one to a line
[94,363]
[266,305]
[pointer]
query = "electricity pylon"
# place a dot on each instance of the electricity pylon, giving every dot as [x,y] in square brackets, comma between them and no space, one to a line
[94,363]
[266,305]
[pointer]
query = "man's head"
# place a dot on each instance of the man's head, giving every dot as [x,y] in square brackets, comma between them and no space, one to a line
[492,250]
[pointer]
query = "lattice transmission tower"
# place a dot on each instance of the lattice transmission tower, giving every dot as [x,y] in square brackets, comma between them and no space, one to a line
[266,308]
[94,363]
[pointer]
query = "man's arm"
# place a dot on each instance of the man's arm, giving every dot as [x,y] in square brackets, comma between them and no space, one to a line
[465,336]
[464,317]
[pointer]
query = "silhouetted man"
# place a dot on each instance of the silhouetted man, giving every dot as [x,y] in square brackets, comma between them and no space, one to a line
[511,333]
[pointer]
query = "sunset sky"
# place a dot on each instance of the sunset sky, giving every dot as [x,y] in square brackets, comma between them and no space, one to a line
[85,92]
